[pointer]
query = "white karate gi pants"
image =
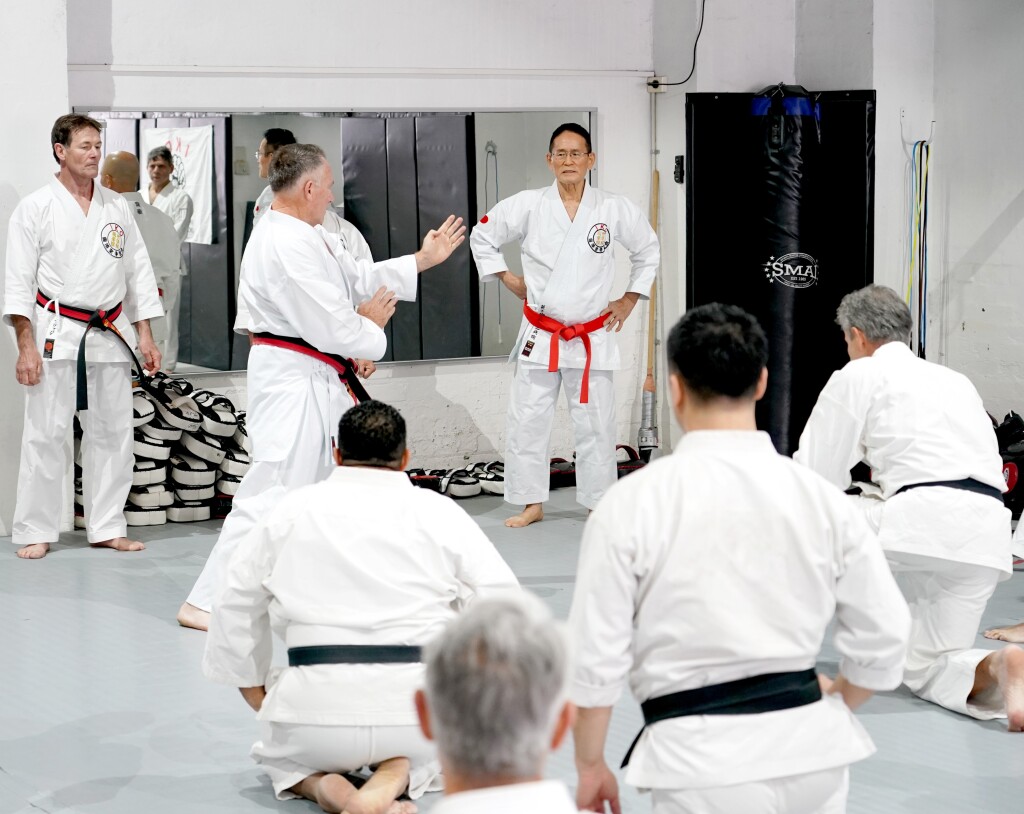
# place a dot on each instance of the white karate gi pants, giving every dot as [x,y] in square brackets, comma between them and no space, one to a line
[107,457]
[821,792]
[267,482]
[531,409]
[171,286]
[947,600]
[290,753]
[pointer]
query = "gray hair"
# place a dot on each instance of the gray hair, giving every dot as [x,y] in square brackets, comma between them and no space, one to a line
[293,162]
[878,312]
[162,153]
[495,680]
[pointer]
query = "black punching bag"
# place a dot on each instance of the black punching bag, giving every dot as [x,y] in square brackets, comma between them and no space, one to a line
[789,140]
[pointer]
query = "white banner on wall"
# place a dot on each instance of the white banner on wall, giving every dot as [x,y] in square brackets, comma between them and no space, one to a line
[192,149]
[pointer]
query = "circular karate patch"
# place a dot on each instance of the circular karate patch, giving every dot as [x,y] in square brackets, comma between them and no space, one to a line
[112,238]
[600,237]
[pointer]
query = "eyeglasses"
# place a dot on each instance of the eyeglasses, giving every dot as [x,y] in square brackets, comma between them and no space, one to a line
[561,155]
[258,155]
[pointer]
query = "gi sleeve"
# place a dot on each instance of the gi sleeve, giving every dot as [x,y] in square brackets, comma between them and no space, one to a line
[872,619]
[365,276]
[239,644]
[141,299]
[478,565]
[831,441]
[182,215]
[22,263]
[505,223]
[320,309]
[639,239]
[603,607]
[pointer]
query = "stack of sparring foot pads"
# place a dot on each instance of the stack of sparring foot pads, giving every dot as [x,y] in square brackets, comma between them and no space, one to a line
[489,478]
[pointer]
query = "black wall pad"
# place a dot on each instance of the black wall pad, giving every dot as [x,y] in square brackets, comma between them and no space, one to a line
[763,184]
[443,157]
[405,230]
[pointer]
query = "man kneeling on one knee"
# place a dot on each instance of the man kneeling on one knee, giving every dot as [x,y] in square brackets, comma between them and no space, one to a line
[357,572]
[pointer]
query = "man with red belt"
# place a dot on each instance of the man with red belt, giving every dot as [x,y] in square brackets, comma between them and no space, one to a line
[300,289]
[78,280]
[566,231]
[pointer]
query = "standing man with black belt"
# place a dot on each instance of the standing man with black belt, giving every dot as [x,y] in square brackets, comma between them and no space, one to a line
[79,287]
[938,509]
[709,580]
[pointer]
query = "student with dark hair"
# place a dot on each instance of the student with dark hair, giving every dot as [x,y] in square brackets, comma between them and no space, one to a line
[567,231]
[359,572]
[707,581]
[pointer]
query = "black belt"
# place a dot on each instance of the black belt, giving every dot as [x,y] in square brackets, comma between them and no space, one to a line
[967,484]
[101,318]
[745,696]
[354,654]
[344,367]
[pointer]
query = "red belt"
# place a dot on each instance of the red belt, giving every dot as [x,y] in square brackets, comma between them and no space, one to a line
[559,331]
[344,367]
[77,314]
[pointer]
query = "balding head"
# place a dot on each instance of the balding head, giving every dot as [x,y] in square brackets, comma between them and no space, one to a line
[120,172]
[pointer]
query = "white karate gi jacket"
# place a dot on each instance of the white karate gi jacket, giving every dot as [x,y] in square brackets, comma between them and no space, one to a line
[87,261]
[541,797]
[568,266]
[159,235]
[176,203]
[913,421]
[363,557]
[722,561]
[295,282]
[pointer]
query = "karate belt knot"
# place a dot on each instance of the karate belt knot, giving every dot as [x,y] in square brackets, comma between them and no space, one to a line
[99,318]
[561,332]
[345,368]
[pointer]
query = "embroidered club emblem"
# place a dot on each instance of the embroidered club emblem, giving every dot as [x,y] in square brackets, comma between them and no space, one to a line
[112,238]
[600,237]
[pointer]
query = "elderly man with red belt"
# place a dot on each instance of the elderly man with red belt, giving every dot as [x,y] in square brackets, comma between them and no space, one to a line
[567,231]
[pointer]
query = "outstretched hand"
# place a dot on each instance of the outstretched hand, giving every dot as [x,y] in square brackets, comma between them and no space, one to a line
[380,307]
[439,243]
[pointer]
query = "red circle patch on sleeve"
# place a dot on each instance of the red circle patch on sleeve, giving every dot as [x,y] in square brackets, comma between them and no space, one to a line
[483,219]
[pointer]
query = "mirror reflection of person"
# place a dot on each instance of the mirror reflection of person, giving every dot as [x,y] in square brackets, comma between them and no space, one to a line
[72,249]
[566,231]
[301,294]
[350,238]
[176,203]
[120,173]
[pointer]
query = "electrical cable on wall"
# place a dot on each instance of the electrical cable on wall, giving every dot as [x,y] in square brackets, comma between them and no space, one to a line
[490,150]
[654,83]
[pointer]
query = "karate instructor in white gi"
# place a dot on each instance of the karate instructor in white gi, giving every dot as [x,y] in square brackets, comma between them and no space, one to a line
[356,573]
[567,231]
[708,581]
[938,507]
[300,288]
[75,258]
[495,702]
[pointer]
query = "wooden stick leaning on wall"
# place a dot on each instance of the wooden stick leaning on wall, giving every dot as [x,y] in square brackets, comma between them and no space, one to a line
[647,437]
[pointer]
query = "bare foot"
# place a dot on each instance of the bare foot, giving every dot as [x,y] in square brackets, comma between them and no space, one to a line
[1010,671]
[378,795]
[195,618]
[533,513]
[119,544]
[35,551]
[329,791]
[1013,633]
[402,807]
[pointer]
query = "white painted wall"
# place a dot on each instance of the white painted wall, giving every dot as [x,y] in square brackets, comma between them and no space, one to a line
[35,44]
[528,55]
[978,205]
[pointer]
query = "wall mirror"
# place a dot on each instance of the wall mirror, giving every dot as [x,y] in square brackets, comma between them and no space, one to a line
[397,174]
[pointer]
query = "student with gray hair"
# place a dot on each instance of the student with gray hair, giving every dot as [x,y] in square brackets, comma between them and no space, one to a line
[937,506]
[496,703]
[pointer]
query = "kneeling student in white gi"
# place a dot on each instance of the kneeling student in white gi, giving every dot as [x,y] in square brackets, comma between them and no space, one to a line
[710,578]
[357,573]
[938,510]
[495,702]
[567,231]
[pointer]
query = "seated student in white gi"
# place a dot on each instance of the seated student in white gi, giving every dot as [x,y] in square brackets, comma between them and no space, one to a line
[567,231]
[120,173]
[301,290]
[495,703]
[358,570]
[77,276]
[938,510]
[177,204]
[708,580]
